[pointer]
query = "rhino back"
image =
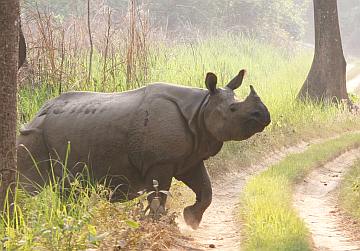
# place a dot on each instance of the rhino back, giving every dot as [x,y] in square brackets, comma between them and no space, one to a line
[95,124]
[142,128]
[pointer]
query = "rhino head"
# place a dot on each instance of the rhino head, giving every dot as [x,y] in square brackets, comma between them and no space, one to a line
[227,118]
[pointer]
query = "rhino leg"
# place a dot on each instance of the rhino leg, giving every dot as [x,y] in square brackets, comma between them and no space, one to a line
[163,174]
[198,180]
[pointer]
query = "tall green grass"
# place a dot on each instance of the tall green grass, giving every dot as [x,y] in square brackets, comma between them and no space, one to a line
[268,220]
[349,196]
[61,216]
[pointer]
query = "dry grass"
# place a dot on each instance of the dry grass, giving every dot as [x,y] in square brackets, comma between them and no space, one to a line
[60,49]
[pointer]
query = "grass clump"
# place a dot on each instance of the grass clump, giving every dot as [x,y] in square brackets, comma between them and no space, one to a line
[349,196]
[80,216]
[51,221]
[269,221]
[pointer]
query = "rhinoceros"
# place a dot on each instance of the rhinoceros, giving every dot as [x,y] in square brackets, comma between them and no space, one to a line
[155,132]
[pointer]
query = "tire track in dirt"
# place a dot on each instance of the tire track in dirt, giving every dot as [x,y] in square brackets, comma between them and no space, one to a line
[316,201]
[219,228]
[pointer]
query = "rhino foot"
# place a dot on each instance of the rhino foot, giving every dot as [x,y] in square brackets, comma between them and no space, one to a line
[192,218]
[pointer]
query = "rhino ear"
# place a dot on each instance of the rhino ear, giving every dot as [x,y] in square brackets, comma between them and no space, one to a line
[210,82]
[237,81]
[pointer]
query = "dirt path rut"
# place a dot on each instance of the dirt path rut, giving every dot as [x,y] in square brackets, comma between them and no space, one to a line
[219,228]
[316,201]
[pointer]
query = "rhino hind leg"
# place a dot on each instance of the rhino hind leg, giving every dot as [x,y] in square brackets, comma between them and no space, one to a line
[163,174]
[197,179]
[33,161]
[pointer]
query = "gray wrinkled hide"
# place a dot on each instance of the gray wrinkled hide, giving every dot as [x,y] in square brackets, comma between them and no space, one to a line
[156,132]
[120,134]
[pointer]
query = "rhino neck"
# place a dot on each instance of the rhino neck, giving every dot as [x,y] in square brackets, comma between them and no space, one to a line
[207,143]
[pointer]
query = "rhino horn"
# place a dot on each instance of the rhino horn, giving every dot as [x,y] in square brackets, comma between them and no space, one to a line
[253,92]
[237,81]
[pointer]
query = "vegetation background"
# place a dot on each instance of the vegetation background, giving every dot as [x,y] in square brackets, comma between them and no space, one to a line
[274,19]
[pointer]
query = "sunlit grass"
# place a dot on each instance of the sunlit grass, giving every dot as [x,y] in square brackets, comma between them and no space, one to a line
[268,220]
[48,220]
[349,196]
[62,216]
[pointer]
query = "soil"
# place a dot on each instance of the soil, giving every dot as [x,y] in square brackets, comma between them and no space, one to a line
[316,201]
[219,229]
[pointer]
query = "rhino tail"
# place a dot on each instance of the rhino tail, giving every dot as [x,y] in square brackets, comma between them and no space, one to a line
[35,125]
[24,131]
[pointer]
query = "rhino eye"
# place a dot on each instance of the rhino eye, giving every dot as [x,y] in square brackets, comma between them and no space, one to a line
[232,108]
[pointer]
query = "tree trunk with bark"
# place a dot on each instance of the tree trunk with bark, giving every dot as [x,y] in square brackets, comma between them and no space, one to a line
[9,46]
[327,77]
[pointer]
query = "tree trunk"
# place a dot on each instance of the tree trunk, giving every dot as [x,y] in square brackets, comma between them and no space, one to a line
[9,46]
[327,77]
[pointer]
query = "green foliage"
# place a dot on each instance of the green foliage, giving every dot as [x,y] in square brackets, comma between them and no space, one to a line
[49,220]
[354,98]
[269,221]
[349,196]
[63,217]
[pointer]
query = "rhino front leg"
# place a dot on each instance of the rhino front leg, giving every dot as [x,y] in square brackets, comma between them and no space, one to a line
[198,180]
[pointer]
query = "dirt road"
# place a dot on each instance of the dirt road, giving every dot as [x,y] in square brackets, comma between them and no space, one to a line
[316,201]
[219,228]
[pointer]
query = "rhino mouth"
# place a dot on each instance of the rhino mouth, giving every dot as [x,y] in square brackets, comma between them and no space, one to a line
[253,126]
